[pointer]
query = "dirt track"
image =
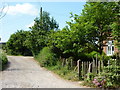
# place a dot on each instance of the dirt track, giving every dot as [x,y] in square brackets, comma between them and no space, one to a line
[25,72]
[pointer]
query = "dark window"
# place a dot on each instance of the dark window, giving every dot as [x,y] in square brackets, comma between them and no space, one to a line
[112,48]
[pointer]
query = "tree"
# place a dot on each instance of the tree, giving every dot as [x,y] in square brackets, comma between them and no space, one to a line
[86,32]
[96,23]
[116,24]
[37,37]
[15,44]
[70,42]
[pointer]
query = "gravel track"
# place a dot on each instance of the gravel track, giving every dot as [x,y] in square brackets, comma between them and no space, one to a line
[25,72]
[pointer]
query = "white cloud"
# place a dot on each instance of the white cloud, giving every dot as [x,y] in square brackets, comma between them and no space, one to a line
[25,8]
[49,0]
[30,25]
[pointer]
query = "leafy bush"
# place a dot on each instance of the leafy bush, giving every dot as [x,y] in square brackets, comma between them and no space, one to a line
[109,77]
[3,60]
[116,56]
[15,44]
[46,57]
[112,74]
[99,81]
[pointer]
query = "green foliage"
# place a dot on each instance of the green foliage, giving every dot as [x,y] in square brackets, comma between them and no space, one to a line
[85,33]
[90,77]
[109,78]
[3,60]
[112,76]
[116,33]
[81,39]
[99,81]
[95,23]
[64,72]
[45,22]
[15,44]
[59,40]
[36,40]
[49,60]
[93,55]
[46,57]
[3,46]
[67,43]
[116,24]
[38,36]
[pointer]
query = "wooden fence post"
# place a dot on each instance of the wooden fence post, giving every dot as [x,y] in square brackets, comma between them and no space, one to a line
[115,66]
[82,69]
[63,62]
[109,65]
[99,67]
[89,68]
[85,68]
[93,67]
[102,66]
[66,60]
[96,65]
[79,68]
[71,63]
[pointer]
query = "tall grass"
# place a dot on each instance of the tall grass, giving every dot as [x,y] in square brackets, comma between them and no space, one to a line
[46,57]
[3,60]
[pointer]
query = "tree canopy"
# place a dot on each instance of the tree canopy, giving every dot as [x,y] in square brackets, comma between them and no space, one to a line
[84,34]
[15,44]
[37,37]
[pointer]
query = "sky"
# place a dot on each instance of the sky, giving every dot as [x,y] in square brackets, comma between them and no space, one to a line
[21,15]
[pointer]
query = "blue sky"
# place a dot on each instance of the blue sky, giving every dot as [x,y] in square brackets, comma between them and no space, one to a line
[20,15]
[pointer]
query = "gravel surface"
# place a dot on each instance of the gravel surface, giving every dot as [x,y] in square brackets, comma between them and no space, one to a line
[25,72]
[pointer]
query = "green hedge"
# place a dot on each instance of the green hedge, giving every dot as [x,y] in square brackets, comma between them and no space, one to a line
[3,60]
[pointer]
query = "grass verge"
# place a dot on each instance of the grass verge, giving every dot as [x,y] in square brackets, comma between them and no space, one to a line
[3,60]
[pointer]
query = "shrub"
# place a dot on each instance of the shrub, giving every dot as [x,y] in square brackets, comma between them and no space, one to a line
[46,57]
[16,44]
[99,81]
[3,59]
[110,77]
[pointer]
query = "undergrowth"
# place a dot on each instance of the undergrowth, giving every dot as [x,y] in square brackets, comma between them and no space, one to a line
[3,60]
[49,60]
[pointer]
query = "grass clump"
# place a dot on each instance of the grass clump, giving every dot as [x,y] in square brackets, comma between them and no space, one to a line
[3,60]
